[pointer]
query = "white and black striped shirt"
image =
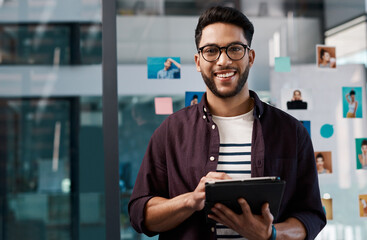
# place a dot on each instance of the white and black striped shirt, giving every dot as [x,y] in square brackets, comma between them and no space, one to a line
[234,155]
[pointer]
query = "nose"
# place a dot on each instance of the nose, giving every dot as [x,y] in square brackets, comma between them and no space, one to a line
[223,59]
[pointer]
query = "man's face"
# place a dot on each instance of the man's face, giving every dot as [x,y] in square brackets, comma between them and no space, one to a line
[224,77]
[167,64]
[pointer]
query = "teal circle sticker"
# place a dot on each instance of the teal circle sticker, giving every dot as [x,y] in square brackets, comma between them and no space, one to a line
[327,130]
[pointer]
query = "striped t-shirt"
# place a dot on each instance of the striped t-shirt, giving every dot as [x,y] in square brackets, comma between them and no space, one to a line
[235,135]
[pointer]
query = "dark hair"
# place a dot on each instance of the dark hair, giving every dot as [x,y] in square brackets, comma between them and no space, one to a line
[195,96]
[319,155]
[224,15]
[352,92]
[322,52]
[297,91]
[364,142]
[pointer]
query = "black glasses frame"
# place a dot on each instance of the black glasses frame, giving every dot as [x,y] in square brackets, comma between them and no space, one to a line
[220,51]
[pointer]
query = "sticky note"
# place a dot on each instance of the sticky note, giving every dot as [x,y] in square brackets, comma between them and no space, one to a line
[327,131]
[282,64]
[163,105]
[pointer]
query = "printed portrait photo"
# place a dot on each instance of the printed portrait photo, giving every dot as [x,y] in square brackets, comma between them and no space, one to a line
[352,102]
[361,153]
[164,68]
[296,99]
[325,56]
[362,199]
[192,98]
[323,162]
[327,204]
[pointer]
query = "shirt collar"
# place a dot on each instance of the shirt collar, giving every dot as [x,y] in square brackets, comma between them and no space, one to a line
[204,109]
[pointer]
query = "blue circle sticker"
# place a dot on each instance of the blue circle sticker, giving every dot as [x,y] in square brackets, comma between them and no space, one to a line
[327,130]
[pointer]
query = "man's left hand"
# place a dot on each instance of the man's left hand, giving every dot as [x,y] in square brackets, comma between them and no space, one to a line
[248,225]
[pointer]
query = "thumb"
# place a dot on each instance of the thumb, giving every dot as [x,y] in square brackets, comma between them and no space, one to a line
[265,210]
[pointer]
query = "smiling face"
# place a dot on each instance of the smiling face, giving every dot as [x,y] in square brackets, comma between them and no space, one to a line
[320,162]
[224,77]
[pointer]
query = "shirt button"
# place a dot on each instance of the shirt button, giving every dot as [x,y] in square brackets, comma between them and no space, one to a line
[204,109]
[212,158]
[212,229]
[213,126]
[204,117]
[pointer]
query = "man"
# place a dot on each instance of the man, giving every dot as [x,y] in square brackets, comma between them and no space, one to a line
[168,72]
[189,149]
[194,100]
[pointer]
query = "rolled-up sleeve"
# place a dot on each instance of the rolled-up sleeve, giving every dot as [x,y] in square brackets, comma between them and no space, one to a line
[307,206]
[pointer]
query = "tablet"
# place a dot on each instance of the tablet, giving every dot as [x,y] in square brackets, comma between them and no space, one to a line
[256,191]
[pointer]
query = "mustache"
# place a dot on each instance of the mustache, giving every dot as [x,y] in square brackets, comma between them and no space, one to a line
[224,68]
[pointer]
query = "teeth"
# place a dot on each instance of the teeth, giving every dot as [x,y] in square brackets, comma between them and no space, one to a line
[225,75]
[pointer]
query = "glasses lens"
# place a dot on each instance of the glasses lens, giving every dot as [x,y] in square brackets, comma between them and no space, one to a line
[236,51]
[210,53]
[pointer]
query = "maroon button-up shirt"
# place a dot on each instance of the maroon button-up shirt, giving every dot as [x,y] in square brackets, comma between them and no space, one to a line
[179,152]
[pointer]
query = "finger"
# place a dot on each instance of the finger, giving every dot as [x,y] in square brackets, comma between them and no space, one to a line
[246,210]
[265,210]
[201,185]
[224,215]
[218,175]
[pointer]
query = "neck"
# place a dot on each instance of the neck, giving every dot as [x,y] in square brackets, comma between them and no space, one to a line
[229,107]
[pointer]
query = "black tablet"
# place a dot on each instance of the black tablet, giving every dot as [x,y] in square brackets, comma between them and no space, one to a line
[256,191]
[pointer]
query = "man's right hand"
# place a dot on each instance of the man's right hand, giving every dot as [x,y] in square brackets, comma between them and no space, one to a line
[198,195]
[163,214]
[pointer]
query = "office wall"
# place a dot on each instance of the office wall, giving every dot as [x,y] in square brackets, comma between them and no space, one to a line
[337,12]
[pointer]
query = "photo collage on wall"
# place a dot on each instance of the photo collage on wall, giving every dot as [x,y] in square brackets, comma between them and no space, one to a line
[163,68]
[168,68]
[300,101]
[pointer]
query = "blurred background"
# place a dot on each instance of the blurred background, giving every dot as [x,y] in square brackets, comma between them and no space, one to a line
[51,137]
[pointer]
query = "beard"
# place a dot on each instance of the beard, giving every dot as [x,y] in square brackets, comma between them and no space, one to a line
[213,88]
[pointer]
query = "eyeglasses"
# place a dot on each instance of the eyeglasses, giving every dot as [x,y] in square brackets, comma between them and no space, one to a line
[235,51]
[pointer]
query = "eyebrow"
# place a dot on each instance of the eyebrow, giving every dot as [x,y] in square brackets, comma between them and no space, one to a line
[235,42]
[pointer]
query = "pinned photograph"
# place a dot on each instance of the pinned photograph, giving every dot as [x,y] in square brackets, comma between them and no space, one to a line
[352,102]
[307,125]
[192,98]
[363,205]
[164,68]
[323,162]
[296,99]
[326,57]
[327,204]
[361,153]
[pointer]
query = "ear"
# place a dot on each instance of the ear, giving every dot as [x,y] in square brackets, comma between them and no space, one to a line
[197,62]
[251,57]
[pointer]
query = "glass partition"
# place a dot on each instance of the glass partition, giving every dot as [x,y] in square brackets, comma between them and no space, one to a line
[51,147]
